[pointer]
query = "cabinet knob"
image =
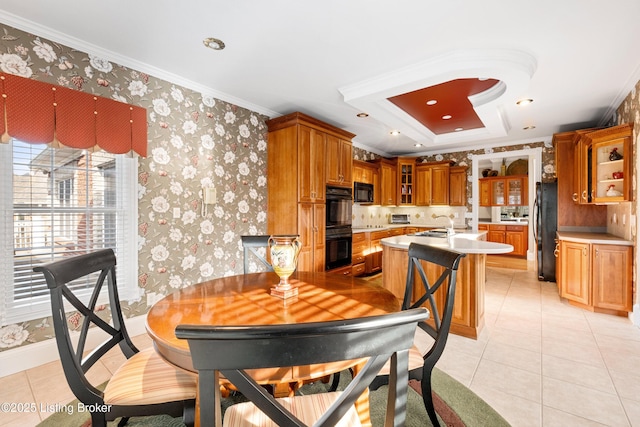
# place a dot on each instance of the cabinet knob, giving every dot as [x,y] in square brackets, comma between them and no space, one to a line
[574,197]
[584,195]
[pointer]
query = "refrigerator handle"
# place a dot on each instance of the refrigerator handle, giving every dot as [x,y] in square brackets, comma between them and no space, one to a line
[536,223]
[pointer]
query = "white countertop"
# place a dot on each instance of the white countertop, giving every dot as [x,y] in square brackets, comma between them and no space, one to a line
[462,242]
[506,222]
[392,226]
[598,238]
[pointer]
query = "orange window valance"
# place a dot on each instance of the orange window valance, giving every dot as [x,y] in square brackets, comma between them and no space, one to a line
[38,112]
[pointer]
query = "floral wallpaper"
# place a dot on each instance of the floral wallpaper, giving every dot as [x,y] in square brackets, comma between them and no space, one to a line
[629,112]
[195,141]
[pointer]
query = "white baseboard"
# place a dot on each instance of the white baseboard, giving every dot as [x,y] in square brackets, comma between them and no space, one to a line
[635,315]
[36,354]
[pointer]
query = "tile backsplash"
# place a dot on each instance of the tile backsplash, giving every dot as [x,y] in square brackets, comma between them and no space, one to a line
[378,216]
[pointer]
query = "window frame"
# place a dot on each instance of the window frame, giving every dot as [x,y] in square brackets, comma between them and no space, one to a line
[126,198]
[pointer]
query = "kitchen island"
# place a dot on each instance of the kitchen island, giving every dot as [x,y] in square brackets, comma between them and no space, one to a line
[468,312]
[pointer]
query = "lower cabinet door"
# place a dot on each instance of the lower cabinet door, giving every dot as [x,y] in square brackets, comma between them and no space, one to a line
[575,271]
[612,277]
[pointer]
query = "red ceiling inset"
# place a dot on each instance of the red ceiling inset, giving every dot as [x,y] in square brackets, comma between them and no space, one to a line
[452,100]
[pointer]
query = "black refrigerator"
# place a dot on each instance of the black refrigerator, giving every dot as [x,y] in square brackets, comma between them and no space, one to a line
[544,228]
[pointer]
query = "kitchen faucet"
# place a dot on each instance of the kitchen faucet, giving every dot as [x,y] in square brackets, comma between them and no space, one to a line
[450,231]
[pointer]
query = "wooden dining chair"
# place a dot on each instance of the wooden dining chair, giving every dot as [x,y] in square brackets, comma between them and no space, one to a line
[252,246]
[144,384]
[231,350]
[438,274]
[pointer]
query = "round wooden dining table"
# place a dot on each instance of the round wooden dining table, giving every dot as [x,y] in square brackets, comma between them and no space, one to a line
[245,300]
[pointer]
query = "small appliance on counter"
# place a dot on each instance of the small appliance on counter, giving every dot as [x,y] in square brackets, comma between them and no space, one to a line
[399,219]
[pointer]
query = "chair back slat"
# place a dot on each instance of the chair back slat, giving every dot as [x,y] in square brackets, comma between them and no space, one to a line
[58,275]
[232,350]
[252,246]
[91,274]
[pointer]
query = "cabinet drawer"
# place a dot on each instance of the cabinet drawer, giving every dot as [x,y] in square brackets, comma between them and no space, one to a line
[377,235]
[360,247]
[515,227]
[483,226]
[493,227]
[357,269]
[358,237]
[396,232]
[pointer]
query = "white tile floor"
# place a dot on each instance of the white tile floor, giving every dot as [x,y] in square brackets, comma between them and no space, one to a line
[539,362]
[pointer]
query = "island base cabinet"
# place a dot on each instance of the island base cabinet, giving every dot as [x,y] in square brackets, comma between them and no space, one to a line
[468,312]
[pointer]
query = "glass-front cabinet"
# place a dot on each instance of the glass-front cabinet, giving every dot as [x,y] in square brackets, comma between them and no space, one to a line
[504,191]
[497,193]
[405,181]
[608,157]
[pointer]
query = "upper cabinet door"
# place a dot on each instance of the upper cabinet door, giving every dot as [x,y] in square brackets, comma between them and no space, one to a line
[311,152]
[339,159]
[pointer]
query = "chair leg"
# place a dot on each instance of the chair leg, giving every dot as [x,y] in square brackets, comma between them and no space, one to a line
[98,419]
[427,397]
[335,381]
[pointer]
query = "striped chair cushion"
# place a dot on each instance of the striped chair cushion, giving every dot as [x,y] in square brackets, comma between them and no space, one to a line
[308,408]
[146,379]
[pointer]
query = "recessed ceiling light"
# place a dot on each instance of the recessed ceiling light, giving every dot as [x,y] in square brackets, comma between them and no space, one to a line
[395,132]
[528,127]
[417,145]
[524,102]
[213,43]
[432,102]
[458,129]
[446,117]
[361,115]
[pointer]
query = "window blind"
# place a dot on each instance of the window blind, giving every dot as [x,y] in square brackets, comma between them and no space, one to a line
[60,203]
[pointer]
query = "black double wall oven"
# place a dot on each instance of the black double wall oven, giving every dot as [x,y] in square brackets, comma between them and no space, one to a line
[338,238]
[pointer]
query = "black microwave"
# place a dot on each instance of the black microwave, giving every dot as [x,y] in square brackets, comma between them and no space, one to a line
[362,192]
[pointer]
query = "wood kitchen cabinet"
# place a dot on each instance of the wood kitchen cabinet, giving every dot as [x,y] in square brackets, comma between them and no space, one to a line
[517,236]
[575,269]
[360,248]
[612,277]
[363,171]
[570,212]
[339,157]
[311,228]
[597,277]
[485,192]
[511,234]
[296,172]
[458,186]
[388,180]
[504,191]
[599,178]
[406,185]
[611,176]
[432,184]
